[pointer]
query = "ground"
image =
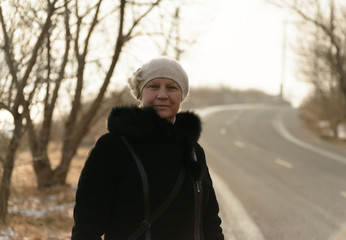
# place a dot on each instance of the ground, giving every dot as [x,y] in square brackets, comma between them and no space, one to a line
[45,214]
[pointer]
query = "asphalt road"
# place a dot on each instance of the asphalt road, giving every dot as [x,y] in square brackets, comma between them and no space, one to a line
[274,179]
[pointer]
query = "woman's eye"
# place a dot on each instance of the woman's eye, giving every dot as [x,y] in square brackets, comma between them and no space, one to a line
[152,86]
[172,87]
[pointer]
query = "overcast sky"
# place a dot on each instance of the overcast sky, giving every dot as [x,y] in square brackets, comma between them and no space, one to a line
[240,46]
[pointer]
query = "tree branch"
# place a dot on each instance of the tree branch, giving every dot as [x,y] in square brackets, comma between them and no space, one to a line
[8,46]
[329,31]
[45,29]
[81,65]
[137,21]
[92,27]
[4,106]
[49,108]
[87,117]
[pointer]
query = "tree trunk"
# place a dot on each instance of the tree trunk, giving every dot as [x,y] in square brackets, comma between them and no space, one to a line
[77,126]
[41,161]
[60,173]
[43,171]
[46,177]
[5,186]
[76,130]
[6,177]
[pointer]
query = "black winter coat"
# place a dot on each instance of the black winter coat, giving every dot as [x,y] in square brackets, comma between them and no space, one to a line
[109,198]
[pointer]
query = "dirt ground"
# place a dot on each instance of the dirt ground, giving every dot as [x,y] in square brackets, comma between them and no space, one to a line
[41,215]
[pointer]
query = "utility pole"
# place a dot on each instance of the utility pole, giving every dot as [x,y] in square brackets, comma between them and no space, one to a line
[178,50]
[173,38]
[283,62]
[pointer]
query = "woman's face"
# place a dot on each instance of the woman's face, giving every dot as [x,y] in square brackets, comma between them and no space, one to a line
[164,95]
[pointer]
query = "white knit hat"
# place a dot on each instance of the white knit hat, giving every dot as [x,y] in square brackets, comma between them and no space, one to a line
[162,67]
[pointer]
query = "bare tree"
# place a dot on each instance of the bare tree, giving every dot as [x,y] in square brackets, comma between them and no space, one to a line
[322,54]
[76,44]
[14,99]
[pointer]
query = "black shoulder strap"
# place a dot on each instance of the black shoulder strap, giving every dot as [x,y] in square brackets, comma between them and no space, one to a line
[149,219]
[145,183]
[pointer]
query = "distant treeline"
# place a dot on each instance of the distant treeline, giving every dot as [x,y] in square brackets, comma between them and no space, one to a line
[204,97]
[199,97]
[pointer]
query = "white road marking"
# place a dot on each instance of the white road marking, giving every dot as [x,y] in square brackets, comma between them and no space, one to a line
[283,163]
[223,131]
[236,219]
[209,111]
[279,126]
[229,202]
[239,144]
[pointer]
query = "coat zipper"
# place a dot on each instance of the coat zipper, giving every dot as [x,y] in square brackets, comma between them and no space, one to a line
[198,201]
[198,207]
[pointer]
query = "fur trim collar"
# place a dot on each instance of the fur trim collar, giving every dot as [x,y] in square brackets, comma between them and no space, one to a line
[146,123]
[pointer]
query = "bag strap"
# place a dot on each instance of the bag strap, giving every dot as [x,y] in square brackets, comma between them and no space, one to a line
[145,225]
[145,183]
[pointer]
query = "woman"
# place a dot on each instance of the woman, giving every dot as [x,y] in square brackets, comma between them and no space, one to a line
[125,188]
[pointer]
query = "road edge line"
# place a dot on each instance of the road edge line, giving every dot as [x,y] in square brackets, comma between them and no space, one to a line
[244,225]
[280,127]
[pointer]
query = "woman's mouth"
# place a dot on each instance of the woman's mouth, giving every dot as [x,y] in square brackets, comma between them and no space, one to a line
[161,106]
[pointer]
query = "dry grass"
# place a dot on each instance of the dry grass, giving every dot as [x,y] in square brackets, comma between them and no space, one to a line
[45,214]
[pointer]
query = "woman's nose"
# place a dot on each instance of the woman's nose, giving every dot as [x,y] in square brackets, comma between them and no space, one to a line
[162,93]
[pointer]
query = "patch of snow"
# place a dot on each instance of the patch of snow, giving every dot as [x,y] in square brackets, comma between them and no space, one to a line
[342,131]
[6,234]
[28,212]
[328,132]
[41,211]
